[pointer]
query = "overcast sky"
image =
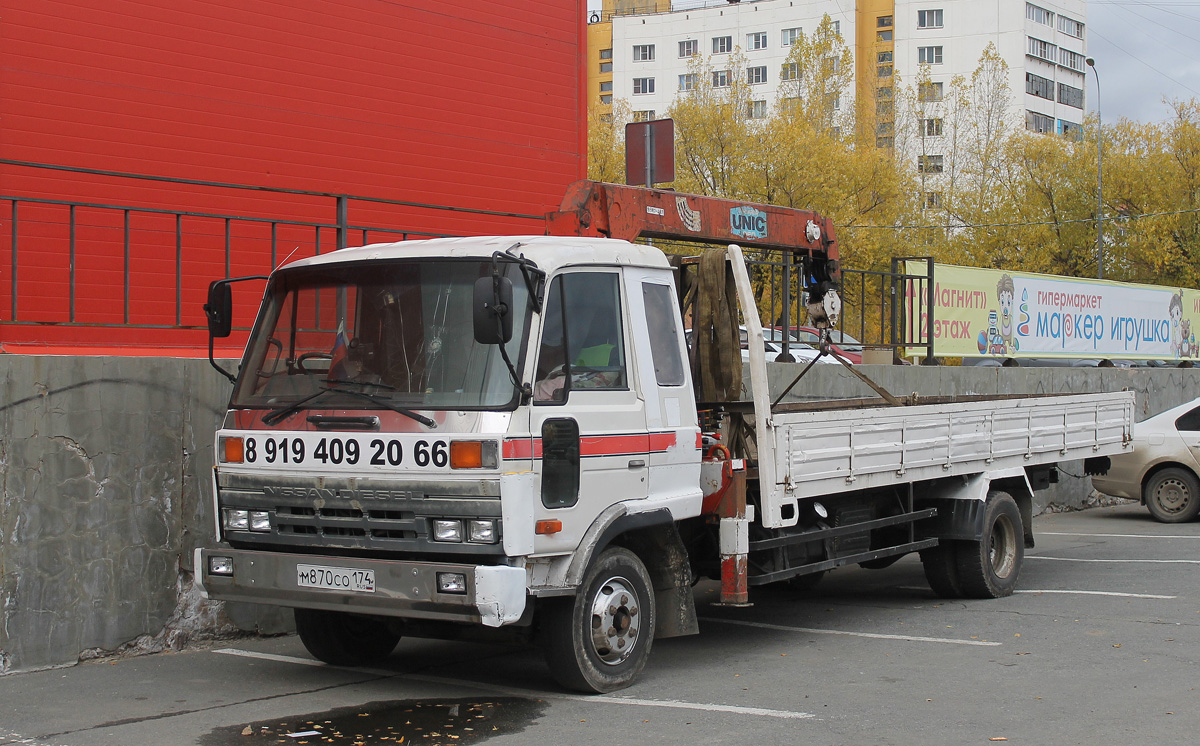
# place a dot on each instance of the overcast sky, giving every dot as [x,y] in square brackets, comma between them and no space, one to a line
[1144,50]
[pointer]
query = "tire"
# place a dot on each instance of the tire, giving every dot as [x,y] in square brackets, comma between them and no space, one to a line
[1172,496]
[599,640]
[941,570]
[342,639]
[989,568]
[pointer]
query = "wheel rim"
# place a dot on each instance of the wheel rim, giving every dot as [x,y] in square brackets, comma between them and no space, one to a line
[615,611]
[1002,547]
[1172,495]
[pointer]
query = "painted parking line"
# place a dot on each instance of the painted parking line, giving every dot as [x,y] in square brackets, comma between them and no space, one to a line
[1128,561]
[847,633]
[1098,593]
[533,693]
[1121,536]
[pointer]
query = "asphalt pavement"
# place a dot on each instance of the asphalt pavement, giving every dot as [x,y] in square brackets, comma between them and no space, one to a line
[1099,645]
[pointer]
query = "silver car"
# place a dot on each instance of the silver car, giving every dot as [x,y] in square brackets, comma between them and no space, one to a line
[1161,471]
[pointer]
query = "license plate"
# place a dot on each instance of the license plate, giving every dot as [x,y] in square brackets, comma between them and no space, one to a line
[335,578]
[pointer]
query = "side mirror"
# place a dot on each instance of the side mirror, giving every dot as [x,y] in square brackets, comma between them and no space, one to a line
[219,308]
[491,310]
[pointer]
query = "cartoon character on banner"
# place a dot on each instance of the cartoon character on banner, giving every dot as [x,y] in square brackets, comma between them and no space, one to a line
[1187,340]
[1178,335]
[1006,294]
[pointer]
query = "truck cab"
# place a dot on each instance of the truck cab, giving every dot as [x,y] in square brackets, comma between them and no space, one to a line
[379,464]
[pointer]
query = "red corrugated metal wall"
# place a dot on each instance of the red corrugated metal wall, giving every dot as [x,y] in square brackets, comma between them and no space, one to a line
[476,104]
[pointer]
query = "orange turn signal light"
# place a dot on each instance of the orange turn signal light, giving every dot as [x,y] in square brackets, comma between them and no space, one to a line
[233,450]
[466,454]
[548,527]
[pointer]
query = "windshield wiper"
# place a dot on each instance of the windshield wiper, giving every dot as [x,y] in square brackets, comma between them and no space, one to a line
[280,414]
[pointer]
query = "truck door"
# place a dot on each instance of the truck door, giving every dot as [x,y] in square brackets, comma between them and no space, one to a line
[588,417]
[670,401]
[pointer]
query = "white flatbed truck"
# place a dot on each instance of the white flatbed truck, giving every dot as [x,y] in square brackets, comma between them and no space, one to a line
[444,437]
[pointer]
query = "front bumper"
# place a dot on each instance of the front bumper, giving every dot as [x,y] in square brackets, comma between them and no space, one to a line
[495,594]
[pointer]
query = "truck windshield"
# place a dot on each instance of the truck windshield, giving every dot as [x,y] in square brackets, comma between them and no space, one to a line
[400,331]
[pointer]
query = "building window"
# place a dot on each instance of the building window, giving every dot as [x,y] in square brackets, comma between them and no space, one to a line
[1038,122]
[1039,15]
[790,71]
[756,109]
[929,18]
[837,101]
[931,127]
[837,28]
[720,78]
[885,142]
[884,108]
[757,40]
[884,35]
[606,54]
[756,75]
[883,57]
[1043,50]
[884,93]
[1070,129]
[884,128]
[606,100]
[1036,85]
[606,67]
[1070,27]
[689,48]
[687,82]
[931,200]
[929,55]
[1070,59]
[643,52]
[646,115]
[883,22]
[643,85]
[1070,95]
[790,35]
[884,71]
[930,92]
[722,44]
[606,86]
[929,164]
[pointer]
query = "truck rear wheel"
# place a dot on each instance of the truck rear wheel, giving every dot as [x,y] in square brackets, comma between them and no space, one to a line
[1173,496]
[941,570]
[989,567]
[599,640]
[342,639]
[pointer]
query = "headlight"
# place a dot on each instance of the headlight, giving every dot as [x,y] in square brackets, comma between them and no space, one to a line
[451,582]
[220,565]
[447,530]
[481,532]
[237,520]
[260,520]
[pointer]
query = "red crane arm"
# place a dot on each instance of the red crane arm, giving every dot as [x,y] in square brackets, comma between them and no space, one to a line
[593,208]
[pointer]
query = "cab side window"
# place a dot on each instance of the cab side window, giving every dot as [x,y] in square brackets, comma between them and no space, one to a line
[583,342]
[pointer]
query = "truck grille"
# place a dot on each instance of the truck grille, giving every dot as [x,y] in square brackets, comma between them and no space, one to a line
[354,514]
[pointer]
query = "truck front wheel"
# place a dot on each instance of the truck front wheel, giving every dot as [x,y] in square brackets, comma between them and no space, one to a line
[989,567]
[342,639]
[599,640]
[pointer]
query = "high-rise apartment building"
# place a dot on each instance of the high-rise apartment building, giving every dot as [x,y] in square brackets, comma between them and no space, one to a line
[648,50]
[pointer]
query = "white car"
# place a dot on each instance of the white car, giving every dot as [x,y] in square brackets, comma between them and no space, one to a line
[1162,470]
[773,341]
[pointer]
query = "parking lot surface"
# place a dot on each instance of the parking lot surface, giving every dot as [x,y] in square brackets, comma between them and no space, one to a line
[1099,645]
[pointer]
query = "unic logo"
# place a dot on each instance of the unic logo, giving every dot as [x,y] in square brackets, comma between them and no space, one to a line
[748,222]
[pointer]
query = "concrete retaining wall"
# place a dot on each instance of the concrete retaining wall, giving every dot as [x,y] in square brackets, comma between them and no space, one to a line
[106,489]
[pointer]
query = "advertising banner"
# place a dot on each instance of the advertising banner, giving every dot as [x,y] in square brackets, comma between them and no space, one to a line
[994,313]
